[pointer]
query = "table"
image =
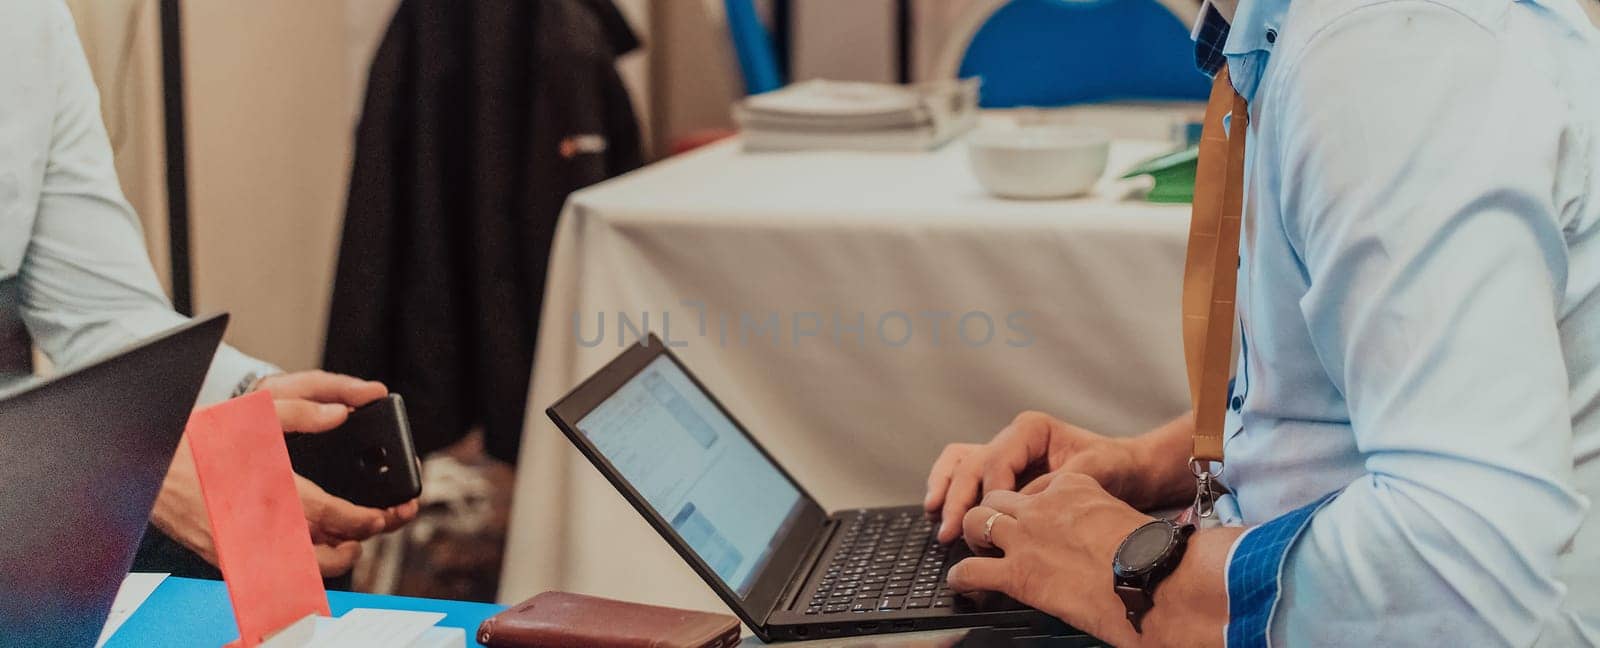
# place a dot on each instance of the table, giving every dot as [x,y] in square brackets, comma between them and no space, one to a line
[193,612]
[898,238]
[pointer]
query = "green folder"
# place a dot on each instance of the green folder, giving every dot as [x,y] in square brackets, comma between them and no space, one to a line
[1174,175]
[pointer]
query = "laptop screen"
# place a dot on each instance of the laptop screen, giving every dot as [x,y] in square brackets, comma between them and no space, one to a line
[696,469]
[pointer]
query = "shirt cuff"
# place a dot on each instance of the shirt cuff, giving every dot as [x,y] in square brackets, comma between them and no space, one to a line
[229,369]
[1255,574]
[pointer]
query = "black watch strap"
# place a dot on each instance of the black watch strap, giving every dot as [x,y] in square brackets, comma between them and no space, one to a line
[1138,602]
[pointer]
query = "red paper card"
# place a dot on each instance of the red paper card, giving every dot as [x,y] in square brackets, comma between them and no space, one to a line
[262,541]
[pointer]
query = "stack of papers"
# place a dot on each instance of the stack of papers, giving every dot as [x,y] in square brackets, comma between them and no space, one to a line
[369,628]
[842,115]
[358,628]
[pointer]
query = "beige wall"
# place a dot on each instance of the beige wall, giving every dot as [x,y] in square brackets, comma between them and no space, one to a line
[365,22]
[635,68]
[844,39]
[694,77]
[269,151]
[268,131]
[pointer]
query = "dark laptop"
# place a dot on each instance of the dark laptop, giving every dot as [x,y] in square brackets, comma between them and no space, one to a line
[81,458]
[788,568]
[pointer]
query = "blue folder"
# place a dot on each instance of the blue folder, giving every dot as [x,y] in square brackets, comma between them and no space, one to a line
[190,612]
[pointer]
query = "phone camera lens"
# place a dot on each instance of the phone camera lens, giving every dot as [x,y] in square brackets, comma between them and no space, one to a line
[374,459]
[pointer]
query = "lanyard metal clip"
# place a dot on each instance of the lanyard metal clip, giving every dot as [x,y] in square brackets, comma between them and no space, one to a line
[1205,499]
[1205,488]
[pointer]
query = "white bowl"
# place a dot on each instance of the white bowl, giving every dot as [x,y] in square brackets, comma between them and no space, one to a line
[1038,161]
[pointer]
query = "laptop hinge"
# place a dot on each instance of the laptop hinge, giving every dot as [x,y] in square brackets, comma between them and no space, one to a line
[802,573]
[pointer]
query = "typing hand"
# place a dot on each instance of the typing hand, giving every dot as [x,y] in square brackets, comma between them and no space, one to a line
[1053,551]
[1025,454]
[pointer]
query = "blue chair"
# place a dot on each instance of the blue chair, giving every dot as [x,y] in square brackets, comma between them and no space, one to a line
[1062,52]
[758,60]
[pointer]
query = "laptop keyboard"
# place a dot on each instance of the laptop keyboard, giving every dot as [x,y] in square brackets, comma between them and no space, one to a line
[884,561]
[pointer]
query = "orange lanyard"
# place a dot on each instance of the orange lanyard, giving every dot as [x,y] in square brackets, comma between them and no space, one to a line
[1210,275]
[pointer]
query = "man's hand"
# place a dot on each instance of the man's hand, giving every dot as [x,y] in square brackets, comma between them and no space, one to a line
[318,401]
[1057,548]
[339,559]
[1033,445]
[310,401]
[337,526]
[179,511]
[334,521]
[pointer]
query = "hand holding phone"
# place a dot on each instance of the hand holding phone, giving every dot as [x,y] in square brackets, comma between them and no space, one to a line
[369,460]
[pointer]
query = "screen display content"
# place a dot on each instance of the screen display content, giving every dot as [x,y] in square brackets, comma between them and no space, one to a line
[695,468]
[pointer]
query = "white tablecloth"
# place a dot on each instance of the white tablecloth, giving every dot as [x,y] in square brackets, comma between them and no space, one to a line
[818,236]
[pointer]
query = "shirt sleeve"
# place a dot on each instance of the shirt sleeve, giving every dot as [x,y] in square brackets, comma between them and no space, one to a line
[1418,158]
[87,285]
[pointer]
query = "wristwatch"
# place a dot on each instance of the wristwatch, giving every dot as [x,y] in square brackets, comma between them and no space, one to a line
[1146,557]
[248,383]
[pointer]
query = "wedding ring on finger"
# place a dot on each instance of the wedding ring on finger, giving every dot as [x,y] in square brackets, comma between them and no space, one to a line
[988,528]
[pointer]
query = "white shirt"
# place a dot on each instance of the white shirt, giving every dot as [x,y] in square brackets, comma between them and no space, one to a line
[1419,299]
[66,233]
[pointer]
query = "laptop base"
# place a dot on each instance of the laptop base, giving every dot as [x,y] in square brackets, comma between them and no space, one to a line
[896,583]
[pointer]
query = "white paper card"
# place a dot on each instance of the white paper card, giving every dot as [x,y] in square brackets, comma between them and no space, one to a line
[437,637]
[301,633]
[136,587]
[365,627]
[369,627]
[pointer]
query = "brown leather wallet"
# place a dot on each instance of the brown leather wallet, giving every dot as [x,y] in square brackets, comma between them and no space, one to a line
[566,620]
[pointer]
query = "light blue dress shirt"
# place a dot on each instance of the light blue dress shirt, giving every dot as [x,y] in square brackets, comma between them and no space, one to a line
[67,235]
[1415,426]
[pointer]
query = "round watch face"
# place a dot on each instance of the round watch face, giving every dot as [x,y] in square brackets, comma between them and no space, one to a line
[1145,547]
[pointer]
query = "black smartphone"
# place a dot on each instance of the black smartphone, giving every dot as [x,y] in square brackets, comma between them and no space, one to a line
[370,460]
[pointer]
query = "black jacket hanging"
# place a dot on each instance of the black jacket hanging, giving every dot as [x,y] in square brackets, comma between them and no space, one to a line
[480,118]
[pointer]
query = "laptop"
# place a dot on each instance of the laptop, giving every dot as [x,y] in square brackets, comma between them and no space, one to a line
[82,456]
[790,569]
